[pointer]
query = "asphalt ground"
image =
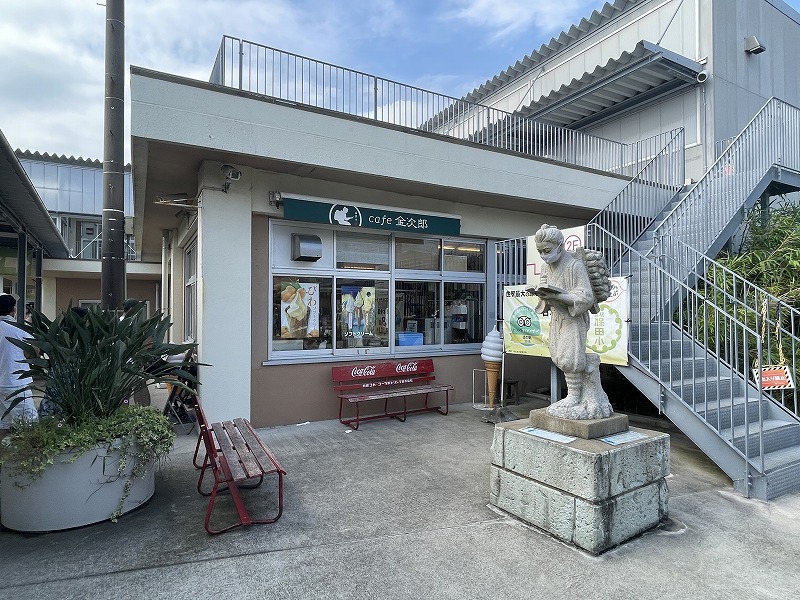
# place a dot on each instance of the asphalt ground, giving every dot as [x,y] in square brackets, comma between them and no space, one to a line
[400,510]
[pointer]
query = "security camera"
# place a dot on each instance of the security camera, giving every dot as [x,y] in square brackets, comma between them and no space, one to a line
[231,173]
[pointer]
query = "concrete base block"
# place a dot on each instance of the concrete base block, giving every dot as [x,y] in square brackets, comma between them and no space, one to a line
[586,428]
[585,492]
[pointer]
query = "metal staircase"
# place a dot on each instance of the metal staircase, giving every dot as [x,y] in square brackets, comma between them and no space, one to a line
[698,331]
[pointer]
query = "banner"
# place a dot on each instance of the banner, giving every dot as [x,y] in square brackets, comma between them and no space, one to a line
[526,332]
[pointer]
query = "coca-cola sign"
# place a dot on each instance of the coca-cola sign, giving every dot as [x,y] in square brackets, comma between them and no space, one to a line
[409,367]
[365,371]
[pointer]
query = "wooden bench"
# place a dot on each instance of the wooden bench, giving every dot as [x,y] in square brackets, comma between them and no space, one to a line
[364,382]
[238,458]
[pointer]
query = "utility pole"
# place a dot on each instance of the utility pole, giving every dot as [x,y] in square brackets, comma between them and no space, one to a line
[112,276]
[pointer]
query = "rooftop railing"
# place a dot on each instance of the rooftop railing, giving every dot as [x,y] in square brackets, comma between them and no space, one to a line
[293,78]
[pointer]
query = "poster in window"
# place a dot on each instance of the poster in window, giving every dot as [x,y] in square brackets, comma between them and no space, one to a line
[299,310]
[358,311]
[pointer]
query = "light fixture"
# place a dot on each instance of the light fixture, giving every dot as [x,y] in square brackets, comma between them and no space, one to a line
[753,46]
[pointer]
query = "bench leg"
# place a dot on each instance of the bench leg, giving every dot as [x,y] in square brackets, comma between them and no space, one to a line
[446,403]
[241,509]
[197,450]
[349,422]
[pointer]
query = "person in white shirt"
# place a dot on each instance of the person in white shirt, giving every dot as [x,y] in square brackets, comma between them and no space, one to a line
[12,359]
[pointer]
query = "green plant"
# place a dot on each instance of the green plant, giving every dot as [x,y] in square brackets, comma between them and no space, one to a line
[87,367]
[139,433]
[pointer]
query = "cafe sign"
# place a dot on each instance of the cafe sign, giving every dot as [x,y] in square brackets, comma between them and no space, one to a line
[369,217]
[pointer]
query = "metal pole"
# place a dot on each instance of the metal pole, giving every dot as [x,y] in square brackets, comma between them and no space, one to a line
[37,299]
[22,273]
[112,277]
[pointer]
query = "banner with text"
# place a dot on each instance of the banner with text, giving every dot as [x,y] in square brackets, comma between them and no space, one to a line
[526,332]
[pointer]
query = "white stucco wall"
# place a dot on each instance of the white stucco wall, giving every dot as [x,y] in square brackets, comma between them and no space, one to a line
[224,297]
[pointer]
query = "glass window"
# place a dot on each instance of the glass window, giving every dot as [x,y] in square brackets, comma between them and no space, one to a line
[361,313]
[417,315]
[464,256]
[190,293]
[365,252]
[463,309]
[301,313]
[417,253]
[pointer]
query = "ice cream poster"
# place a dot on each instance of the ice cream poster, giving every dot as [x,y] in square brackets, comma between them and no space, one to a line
[358,311]
[526,332]
[299,310]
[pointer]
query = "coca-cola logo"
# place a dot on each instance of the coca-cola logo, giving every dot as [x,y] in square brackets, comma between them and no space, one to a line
[365,371]
[406,367]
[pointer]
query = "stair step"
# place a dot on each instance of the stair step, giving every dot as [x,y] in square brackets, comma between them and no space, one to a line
[708,389]
[721,415]
[673,370]
[666,349]
[777,434]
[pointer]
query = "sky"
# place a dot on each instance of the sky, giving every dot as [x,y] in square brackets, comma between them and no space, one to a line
[52,51]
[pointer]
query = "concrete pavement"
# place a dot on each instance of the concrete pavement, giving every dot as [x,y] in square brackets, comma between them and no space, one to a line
[399,510]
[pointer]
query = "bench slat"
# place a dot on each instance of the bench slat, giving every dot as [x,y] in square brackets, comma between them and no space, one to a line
[228,451]
[262,454]
[249,463]
[393,393]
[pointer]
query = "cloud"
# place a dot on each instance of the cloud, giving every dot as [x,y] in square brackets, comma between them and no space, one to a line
[501,18]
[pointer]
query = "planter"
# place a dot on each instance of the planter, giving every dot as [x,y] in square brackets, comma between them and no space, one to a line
[71,494]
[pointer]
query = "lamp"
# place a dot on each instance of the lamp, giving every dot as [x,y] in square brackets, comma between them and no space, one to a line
[753,46]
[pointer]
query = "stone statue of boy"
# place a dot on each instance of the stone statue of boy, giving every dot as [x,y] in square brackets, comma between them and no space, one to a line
[566,291]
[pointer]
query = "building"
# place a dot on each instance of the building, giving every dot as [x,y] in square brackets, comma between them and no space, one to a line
[71,191]
[28,236]
[388,206]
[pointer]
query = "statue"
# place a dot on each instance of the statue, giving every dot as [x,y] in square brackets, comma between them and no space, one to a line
[571,285]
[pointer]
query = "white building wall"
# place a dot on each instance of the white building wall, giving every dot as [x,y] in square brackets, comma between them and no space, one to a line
[224,296]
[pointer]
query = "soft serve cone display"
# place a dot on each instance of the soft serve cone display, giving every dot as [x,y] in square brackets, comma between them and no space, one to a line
[492,356]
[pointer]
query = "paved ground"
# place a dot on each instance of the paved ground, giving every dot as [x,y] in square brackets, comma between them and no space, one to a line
[399,510]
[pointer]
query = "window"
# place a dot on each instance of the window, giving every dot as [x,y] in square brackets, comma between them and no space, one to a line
[190,293]
[302,318]
[417,253]
[365,252]
[375,293]
[361,309]
[463,309]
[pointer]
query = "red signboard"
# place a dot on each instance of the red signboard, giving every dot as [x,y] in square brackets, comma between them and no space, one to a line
[775,377]
[382,369]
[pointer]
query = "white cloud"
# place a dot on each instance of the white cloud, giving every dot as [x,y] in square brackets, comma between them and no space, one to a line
[510,17]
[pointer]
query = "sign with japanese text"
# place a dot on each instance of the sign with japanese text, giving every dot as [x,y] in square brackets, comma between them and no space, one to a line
[358,216]
[527,332]
[775,377]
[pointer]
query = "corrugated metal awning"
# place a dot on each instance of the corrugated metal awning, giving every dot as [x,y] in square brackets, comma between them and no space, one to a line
[21,208]
[647,73]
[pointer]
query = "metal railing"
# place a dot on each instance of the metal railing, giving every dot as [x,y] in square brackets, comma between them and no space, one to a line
[635,208]
[771,138]
[776,322]
[260,69]
[695,346]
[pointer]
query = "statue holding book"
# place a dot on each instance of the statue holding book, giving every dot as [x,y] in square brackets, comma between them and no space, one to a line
[570,287]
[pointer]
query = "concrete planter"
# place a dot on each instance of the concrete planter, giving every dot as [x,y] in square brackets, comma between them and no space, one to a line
[71,494]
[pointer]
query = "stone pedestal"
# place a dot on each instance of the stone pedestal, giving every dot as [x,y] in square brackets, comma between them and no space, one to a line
[585,492]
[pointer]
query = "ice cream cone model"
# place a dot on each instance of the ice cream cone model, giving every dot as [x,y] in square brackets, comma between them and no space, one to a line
[492,374]
[492,355]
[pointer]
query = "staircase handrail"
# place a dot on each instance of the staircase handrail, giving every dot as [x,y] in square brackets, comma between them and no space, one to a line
[768,312]
[606,241]
[712,201]
[629,214]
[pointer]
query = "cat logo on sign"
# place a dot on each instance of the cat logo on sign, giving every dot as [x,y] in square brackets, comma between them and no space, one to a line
[775,377]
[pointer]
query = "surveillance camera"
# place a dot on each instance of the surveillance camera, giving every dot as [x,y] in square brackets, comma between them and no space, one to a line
[231,173]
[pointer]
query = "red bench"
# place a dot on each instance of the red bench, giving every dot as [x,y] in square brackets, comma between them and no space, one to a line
[386,380]
[238,458]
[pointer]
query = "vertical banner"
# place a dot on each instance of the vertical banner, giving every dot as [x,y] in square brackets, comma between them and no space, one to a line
[526,332]
[299,310]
